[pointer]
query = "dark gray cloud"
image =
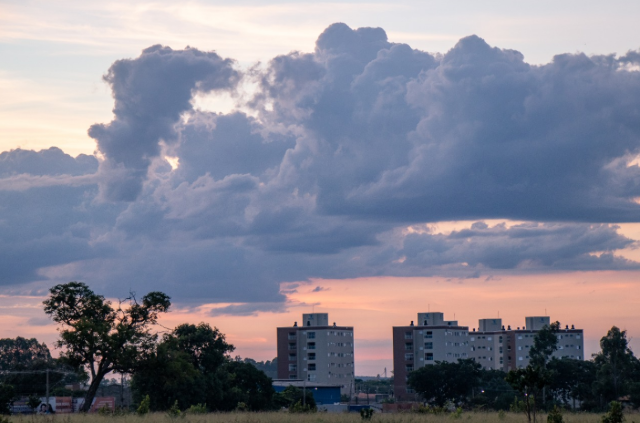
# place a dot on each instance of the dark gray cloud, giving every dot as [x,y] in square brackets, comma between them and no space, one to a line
[341,158]
[151,93]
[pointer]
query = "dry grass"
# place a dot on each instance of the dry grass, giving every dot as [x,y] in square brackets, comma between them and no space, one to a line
[278,417]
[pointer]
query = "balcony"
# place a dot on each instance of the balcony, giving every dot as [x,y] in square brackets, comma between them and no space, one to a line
[408,357]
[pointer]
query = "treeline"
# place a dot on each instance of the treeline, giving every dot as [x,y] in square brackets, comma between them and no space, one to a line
[612,375]
[189,366]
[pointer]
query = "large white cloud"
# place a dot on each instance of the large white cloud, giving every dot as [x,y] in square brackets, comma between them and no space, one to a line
[345,149]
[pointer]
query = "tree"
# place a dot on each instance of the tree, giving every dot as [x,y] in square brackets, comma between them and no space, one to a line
[545,343]
[243,383]
[30,360]
[529,382]
[291,396]
[7,393]
[443,381]
[572,380]
[96,335]
[192,366]
[616,365]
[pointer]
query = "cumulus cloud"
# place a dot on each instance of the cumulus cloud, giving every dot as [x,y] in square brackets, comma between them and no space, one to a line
[151,92]
[339,161]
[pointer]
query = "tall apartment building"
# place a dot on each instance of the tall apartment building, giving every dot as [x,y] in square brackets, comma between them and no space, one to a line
[491,345]
[317,352]
[432,339]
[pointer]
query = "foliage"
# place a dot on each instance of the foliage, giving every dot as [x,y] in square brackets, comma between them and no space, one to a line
[95,334]
[366,413]
[555,415]
[298,407]
[616,366]
[33,402]
[292,395]
[457,413]
[544,344]
[7,393]
[495,392]
[191,365]
[198,409]
[270,368]
[615,413]
[144,406]
[529,382]
[174,411]
[571,380]
[445,381]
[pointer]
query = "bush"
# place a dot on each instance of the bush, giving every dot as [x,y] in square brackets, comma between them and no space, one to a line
[457,413]
[502,415]
[174,411]
[615,413]
[145,406]
[299,408]
[366,413]
[197,409]
[555,415]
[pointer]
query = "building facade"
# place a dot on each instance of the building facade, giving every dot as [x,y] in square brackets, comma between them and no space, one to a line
[491,345]
[432,339]
[317,352]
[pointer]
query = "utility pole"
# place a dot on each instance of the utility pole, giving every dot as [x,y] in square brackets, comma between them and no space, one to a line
[122,390]
[47,389]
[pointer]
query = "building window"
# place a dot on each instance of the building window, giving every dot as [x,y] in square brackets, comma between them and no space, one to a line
[292,346]
[500,339]
[408,347]
[312,356]
[311,345]
[428,356]
[408,357]
[312,367]
[292,357]
[311,335]
[311,377]
[429,334]
[408,368]
[292,336]
[293,367]
[428,345]
[408,335]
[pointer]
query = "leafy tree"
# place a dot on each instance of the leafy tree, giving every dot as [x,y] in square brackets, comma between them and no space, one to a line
[545,343]
[443,381]
[96,335]
[7,393]
[572,380]
[615,414]
[291,396]
[616,365]
[529,382]
[191,365]
[493,391]
[244,383]
[269,367]
[30,360]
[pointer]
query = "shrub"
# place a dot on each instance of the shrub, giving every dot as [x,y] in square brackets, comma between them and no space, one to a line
[502,415]
[366,413]
[555,415]
[197,409]
[615,413]
[174,411]
[299,408]
[145,406]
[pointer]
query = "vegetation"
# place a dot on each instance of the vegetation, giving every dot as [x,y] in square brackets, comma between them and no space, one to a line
[96,335]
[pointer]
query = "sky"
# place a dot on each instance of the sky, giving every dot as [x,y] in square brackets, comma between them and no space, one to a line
[372,160]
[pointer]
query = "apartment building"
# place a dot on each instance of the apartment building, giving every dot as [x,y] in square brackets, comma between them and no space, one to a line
[491,345]
[432,339]
[317,352]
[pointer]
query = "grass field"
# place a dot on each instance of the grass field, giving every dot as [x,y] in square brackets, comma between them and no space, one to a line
[306,418]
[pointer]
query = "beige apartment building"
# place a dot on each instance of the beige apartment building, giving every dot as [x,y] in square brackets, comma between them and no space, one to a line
[432,339]
[491,345]
[317,352]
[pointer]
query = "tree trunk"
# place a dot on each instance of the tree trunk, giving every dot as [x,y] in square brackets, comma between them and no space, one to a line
[91,392]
